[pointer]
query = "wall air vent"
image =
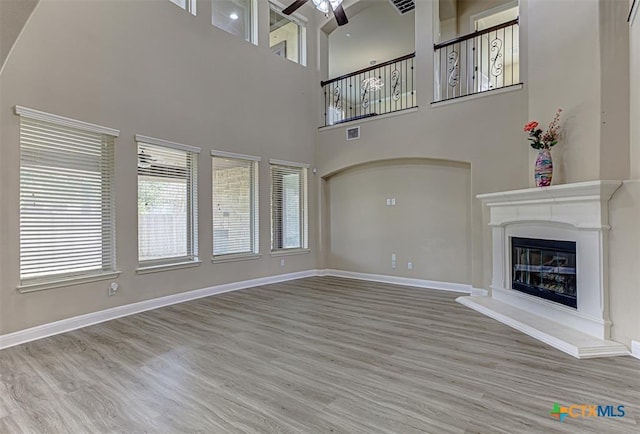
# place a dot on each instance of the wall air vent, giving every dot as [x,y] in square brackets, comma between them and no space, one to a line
[353,133]
[403,6]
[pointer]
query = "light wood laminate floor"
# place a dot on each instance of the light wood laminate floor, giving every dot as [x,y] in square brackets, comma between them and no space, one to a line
[318,355]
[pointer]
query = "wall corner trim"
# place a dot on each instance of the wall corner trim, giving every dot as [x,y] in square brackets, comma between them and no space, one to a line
[76,322]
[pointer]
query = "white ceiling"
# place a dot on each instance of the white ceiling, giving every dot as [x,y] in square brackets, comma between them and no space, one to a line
[376,31]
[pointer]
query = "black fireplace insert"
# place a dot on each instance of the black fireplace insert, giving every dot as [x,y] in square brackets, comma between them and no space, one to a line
[545,268]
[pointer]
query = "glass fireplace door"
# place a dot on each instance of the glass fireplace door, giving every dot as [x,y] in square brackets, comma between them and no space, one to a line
[545,268]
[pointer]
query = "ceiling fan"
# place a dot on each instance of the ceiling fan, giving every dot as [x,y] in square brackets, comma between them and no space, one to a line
[323,6]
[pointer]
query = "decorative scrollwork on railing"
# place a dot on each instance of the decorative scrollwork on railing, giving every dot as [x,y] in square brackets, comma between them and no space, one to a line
[453,68]
[496,60]
[337,100]
[364,93]
[395,85]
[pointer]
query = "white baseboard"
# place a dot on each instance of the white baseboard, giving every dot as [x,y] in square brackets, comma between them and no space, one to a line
[635,349]
[480,292]
[65,325]
[406,281]
[76,322]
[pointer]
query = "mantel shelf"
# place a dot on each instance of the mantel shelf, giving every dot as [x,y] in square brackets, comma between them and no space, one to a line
[601,190]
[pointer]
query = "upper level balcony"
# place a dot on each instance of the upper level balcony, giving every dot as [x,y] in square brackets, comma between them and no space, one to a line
[384,88]
[479,53]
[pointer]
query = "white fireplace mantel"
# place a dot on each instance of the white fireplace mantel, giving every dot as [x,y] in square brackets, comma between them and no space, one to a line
[576,212]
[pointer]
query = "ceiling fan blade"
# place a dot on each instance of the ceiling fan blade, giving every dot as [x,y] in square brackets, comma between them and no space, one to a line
[341,16]
[293,7]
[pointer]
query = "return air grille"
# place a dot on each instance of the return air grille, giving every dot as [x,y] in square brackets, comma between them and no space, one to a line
[403,6]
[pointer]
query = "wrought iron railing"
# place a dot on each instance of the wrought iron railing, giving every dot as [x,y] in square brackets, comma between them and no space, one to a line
[478,62]
[384,88]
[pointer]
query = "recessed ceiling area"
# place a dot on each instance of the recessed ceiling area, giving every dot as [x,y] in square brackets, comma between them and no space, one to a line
[376,33]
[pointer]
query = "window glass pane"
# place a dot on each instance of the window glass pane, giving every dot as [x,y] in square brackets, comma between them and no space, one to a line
[235,225]
[291,211]
[166,212]
[181,3]
[285,36]
[233,16]
[288,207]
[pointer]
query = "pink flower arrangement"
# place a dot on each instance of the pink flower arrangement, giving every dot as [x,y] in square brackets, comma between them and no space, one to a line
[544,140]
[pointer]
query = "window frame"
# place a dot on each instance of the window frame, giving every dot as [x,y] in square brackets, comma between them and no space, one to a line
[189,5]
[191,259]
[252,25]
[302,22]
[107,200]
[303,208]
[254,193]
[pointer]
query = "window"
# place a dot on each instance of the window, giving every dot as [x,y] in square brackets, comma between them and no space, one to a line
[288,206]
[235,205]
[187,5]
[66,199]
[167,203]
[287,36]
[235,17]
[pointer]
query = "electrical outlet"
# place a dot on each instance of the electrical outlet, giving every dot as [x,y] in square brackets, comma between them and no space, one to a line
[409,265]
[393,201]
[388,202]
[282,262]
[113,289]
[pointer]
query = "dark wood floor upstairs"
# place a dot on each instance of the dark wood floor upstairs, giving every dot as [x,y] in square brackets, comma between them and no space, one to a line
[318,355]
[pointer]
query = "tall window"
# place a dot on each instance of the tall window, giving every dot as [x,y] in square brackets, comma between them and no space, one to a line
[187,5]
[235,17]
[235,205]
[167,202]
[66,199]
[289,220]
[287,36]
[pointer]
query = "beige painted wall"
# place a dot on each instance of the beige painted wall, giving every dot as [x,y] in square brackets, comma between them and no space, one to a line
[582,68]
[624,207]
[153,69]
[485,133]
[467,8]
[634,92]
[624,257]
[429,226]
[13,16]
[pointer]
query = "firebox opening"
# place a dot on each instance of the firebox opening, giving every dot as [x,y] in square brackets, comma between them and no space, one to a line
[545,268]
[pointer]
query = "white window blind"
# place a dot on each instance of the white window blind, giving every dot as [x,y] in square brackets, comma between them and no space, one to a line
[288,206]
[235,205]
[167,203]
[66,198]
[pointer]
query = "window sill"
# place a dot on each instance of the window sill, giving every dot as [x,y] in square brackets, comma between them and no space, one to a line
[235,257]
[166,267]
[289,252]
[40,286]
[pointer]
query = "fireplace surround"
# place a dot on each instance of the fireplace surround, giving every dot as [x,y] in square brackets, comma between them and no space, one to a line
[571,220]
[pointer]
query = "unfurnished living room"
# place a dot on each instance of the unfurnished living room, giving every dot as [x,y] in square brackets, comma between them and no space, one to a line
[320,216]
